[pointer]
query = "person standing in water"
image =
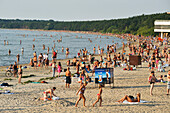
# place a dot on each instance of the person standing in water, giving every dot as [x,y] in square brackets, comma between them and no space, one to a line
[18,56]
[99,96]
[33,46]
[62,49]
[9,52]
[94,50]
[67,52]
[22,50]
[4,42]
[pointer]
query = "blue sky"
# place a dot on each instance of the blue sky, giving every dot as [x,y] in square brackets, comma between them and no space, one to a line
[79,10]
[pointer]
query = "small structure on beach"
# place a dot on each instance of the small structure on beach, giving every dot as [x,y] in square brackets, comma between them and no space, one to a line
[104,76]
[162,26]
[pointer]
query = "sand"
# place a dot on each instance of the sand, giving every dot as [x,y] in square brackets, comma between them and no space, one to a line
[25,97]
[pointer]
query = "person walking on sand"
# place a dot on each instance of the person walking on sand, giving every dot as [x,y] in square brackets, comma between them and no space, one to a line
[99,96]
[53,68]
[81,94]
[152,80]
[68,77]
[20,74]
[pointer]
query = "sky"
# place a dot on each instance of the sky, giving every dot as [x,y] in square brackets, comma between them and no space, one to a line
[79,10]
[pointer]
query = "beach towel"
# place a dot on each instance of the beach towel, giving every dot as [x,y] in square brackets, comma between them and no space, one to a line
[53,98]
[40,82]
[126,102]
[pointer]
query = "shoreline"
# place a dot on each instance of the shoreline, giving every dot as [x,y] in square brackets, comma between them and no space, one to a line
[68,31]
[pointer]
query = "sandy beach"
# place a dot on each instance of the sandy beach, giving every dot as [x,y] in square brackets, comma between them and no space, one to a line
[25,97]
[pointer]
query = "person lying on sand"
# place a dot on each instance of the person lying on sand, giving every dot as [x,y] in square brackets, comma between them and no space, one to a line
[130,98]
[49,91]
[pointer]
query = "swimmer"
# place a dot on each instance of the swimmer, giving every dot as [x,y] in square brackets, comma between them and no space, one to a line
[99,96]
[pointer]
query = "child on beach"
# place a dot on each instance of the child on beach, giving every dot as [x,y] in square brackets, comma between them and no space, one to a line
[59,68]
[20,74]
[99,96]
[81,94]
[49,91]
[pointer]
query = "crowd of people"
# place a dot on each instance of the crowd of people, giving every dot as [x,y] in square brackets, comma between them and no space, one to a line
[153,51]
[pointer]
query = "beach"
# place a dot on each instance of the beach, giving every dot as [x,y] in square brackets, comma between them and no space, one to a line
[25,97]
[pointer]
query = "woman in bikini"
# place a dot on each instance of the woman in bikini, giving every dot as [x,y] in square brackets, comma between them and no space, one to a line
[81,94]
[99,96]
[130,98]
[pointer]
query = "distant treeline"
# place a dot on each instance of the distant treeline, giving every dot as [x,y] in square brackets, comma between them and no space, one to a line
[138,25]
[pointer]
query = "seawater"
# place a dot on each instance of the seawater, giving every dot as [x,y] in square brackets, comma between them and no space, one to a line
[74,41]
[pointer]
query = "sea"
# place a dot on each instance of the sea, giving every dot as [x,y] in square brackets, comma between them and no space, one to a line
[73,41]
